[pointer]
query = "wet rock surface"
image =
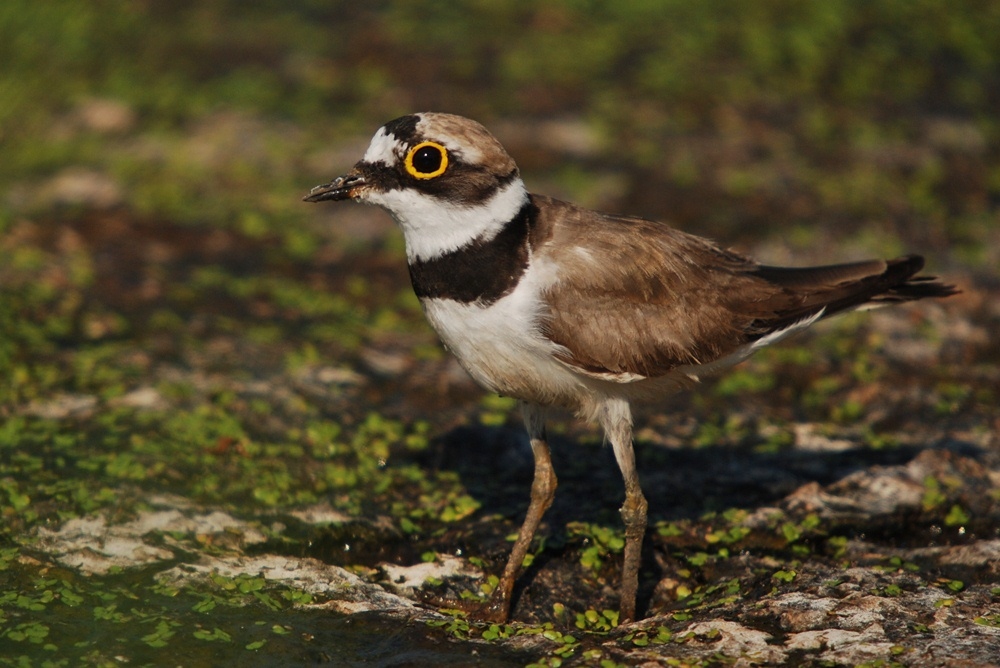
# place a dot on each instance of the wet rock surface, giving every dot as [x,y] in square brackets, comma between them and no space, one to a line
[896,585]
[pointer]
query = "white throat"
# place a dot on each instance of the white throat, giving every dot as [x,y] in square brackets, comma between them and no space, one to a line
[433,227]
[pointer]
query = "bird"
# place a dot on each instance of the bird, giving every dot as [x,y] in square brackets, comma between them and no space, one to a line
[559,306]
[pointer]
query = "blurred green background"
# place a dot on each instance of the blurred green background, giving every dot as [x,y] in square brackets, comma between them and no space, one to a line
[800,131]
[738,120]
[173,319]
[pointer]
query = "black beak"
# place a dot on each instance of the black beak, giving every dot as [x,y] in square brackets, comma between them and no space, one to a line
[342,187]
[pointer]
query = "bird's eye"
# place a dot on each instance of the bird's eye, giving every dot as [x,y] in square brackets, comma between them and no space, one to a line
[427,160]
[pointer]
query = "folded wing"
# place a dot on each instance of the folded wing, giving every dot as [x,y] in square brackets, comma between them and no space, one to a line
[645,298]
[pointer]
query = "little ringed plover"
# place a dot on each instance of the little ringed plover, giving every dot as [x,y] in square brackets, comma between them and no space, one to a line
[561,306]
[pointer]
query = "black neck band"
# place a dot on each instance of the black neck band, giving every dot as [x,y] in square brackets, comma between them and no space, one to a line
[482,271]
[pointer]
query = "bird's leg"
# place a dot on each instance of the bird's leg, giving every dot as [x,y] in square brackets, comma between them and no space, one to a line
[616,418]
[543,490]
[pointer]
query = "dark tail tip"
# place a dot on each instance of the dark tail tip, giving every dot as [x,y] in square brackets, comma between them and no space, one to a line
[906,286]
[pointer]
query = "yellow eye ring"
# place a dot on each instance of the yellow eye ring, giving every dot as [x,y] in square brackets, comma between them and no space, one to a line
[426,160]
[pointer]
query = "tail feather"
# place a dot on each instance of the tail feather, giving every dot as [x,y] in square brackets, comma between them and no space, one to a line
[920,287]
[837,288]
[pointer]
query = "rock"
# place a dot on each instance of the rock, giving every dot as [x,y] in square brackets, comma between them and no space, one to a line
[77,186]
[407,579]
[736,640]
[347,593]
[841,646]
[105,116]
[147,398]
[94,546]
[62,406]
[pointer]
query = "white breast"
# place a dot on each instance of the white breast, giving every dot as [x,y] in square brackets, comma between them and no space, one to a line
[500,344]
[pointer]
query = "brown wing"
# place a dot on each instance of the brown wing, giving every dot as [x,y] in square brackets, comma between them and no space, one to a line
[645,298]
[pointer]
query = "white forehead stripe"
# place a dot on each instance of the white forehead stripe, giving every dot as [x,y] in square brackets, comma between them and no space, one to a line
[383,148]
